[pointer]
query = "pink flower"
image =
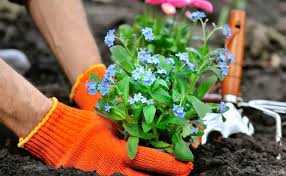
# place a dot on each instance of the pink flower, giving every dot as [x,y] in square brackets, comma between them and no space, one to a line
[200,4]
[168,9]
[175,3]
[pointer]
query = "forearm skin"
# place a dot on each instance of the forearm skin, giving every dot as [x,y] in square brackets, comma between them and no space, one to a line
[64,25]
[22,105]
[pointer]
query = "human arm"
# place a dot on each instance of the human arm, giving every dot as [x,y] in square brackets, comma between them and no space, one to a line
[65,28]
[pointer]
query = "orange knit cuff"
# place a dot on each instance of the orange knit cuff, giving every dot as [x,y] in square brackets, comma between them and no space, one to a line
[56,136]
[79,92]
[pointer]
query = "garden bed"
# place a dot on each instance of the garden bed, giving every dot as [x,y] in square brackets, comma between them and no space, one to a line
[239,155]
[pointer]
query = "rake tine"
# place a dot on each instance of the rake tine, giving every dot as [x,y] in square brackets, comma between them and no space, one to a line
[277,118]
[271,103]
[279,107]
[276,109]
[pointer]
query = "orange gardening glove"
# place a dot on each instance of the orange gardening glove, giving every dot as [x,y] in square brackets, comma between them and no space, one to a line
[79,91]
[68,137]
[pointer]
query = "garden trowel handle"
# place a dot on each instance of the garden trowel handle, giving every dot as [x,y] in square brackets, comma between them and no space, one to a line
[231,84]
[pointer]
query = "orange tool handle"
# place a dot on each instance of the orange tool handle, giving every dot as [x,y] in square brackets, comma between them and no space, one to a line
[231,84]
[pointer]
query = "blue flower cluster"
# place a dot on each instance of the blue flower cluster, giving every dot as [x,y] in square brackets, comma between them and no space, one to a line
[178,111]
[161,72]
[91,87]
[197,15]
[223,57]
[148,34]
[222,107]
[170,61]
[145,57]
[184,57]
[107,108]
[223,67]
[226,31]
[110,38]
[139,98]
[145,76]
[108,79]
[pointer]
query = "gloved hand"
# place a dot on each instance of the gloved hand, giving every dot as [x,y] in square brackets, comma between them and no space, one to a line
[68,137]
[80,94]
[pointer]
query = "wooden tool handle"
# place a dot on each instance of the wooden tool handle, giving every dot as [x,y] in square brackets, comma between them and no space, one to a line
[231,84]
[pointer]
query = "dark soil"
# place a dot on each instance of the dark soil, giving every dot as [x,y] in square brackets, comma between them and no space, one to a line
[264,77]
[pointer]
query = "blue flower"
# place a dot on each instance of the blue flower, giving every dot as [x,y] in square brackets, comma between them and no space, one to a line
[110,38]
[107,108]
[104,87]
[150,102]
[144,55]
[179,111]
[131,101]
[197,15]
[224,55]
[155,59]
[223,68]
[191,66]
[229,56]
[137,73]
[226,31]
[91,87]
[148,78]
[110,72]
[139,98]
[170,61]
[222,107]
[161,72]
[108,79]
[145,76]
[148,33]
[220,55]
[184,57]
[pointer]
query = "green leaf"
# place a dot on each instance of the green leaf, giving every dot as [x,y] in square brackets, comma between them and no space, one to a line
[205,86]
[123,87]
[117,114]
[149,113]
[163,83]
[146,127]
[160,83]
[182,85]
[169,150]
[164,65]
[160,144]
[176,95]
[132,146]
[187,130]
[167,121]
[201,108]
[136,111]
[182,150]
[121,57]
[125,34]
[134,130]
[216,71]
[162,96]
